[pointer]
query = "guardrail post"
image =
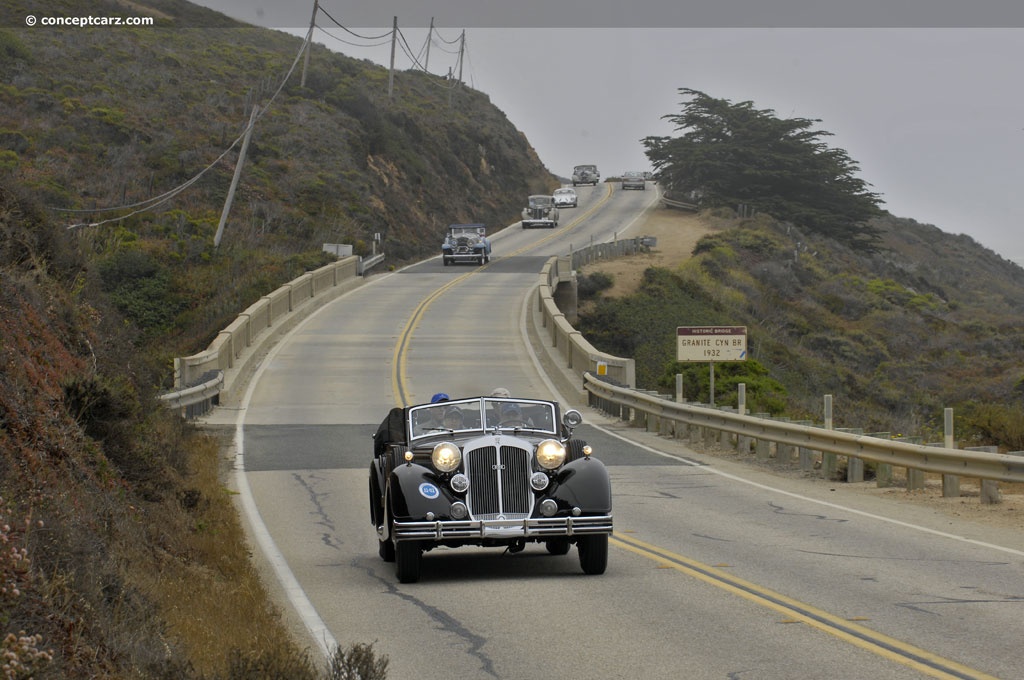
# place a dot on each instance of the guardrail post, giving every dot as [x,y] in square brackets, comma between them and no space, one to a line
[828,460]
[743,443]
[807,458]
[854,465]
[784,453]
[950,483]
[883,471]
[762,446]
[989,487]
[915,477]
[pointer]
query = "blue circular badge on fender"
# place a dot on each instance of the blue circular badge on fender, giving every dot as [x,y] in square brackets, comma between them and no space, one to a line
[428,490]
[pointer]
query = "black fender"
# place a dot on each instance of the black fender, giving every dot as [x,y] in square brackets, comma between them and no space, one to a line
[585,484]
[415,490]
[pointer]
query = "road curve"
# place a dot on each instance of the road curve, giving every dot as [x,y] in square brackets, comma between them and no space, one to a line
[716,571]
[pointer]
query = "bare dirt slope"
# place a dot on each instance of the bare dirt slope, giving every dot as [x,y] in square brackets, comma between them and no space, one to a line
[677,233]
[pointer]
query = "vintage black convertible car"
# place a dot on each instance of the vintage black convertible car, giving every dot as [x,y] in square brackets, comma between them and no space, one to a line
[486,471]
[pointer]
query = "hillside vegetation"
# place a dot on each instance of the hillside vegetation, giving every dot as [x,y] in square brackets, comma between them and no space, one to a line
[928,320]
[122,554]
[104,118]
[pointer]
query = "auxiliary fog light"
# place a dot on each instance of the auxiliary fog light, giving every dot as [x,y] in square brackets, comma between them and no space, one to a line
[459,483]
[459,510]
[548,507]
[539,481]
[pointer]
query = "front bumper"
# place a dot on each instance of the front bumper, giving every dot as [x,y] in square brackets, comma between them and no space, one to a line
[530,528]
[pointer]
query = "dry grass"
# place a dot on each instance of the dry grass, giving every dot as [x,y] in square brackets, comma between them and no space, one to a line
[677,232]
[210,594]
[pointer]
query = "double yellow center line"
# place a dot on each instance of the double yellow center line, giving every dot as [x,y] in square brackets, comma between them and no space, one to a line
[927,663]
[398,360]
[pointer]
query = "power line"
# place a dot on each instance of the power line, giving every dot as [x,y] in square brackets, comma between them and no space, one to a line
[157,201]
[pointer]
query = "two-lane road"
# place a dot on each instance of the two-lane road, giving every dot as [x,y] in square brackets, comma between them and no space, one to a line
[714,571]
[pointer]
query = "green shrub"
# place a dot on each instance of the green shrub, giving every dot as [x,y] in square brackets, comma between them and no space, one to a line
[588,286]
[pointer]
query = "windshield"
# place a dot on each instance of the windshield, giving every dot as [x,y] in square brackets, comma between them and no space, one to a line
[480,415]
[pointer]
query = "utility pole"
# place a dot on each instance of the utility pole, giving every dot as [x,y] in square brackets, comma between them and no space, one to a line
[391,71]
[462,48]
[309,43]
[430,36]
[234,180]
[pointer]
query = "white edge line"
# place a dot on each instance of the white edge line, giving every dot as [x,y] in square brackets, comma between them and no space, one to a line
[293,590]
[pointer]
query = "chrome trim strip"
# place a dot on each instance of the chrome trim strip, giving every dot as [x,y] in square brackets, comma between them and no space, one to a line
[537,527]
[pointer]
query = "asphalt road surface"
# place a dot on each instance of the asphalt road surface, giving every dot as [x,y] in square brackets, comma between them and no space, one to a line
[715,571]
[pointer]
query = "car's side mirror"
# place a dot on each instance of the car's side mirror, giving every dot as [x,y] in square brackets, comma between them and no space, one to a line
[571,419]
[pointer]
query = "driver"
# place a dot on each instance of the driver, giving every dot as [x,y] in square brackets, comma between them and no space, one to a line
[453,418]
[511,414]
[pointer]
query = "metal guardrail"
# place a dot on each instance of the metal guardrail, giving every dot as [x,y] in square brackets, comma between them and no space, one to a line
[198,399]
[978,464]
[669,203]
[366,263]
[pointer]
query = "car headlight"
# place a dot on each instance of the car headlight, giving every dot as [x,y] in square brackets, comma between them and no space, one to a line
[446,457]
[550,454]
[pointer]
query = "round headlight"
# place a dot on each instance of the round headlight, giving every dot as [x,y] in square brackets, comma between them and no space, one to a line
[446,457]
[539,481]
[550,454]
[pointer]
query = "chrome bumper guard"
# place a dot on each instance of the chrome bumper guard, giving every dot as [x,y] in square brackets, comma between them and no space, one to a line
[538,527]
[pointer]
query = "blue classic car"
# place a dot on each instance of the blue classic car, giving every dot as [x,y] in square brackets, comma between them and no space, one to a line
[466,243]
[491,472]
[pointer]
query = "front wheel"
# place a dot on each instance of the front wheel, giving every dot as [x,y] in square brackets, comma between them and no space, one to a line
[409,559]
[557,546]
[593,553]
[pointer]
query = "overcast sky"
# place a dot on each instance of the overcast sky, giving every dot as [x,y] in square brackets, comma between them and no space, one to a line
[933,116]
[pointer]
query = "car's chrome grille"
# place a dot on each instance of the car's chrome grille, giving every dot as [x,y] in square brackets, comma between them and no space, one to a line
[499,482]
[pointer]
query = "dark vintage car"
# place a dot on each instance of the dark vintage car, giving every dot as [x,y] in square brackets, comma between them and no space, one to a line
[491,472]
[585,174]
[466,243]
[540,211]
